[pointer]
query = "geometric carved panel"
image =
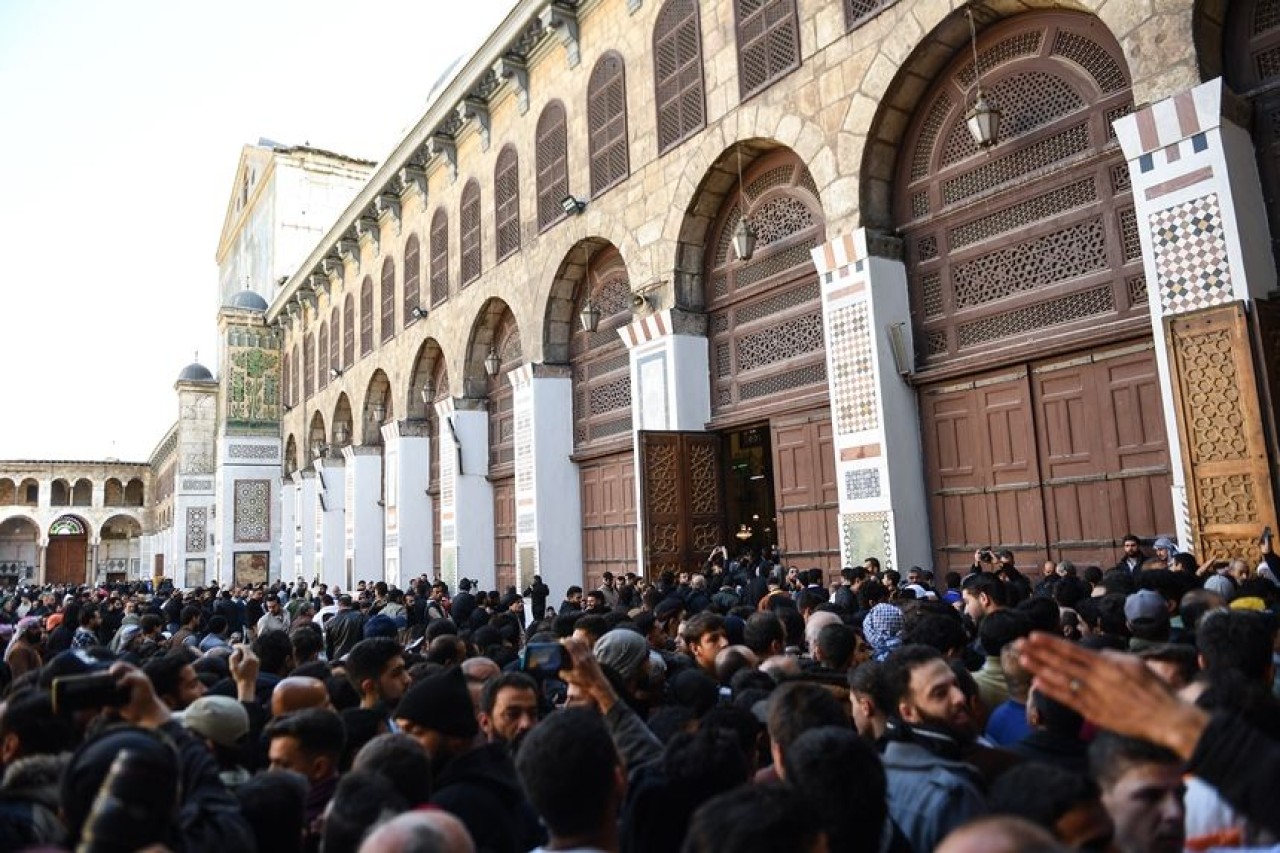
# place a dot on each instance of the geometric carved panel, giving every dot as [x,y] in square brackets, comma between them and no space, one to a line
[1191,255]
[252,511]
[852,377]
[862,483]
[1227,500]
[197,522]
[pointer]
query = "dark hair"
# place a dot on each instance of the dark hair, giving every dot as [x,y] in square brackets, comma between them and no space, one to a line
[798,706]
[1055,716]
[867,679]
[944,633]
[518,680]
[273,650]
[761,631]
[1042,613]
[1002,627]
[592,624]
[188,613]
[753,819]
[1235,639]
[217,624]
[983,583]
[163,672]
[403,761]
[274,804]
[359,802]
[318,731]
[567,764]
[29,716]
[368,658]
[307,641]
[698,626]
[1041,793]
[1111,615]
[837,642]
[840,775]
[1111,755]
[897,672]
[1069,590]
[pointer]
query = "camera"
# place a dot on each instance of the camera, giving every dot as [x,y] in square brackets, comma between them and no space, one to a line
[95,690]
[544,659]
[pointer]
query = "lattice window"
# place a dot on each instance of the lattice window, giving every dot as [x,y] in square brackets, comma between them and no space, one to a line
[927,248]
[759,269]
[308,366]
[1054,312]
[790,380]
[348,331]
[553,164]
[932,126]
[1052,203]
[931,295]
[506,203]
[1115,113]
[469,234]
[780,342]
[607,123]
[412,273]
[1062,255]
[768,43]
[1092,57]
[1137,288]
[610,396]
[1120,180]
[297,375]
[286,370]
[322,350]
[1000,171]
[1026,101]
[387,291]
[792,298]
[858,12]
[1004,51]
[920,204]
[366,317]
[1129,235]
[1266,16]
[677,70]
[335,340]
[439,257]
[779,218]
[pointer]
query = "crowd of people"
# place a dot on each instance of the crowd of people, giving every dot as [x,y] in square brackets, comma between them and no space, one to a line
[748,706]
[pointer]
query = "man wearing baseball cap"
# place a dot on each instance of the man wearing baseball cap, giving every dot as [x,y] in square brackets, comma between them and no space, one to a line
[222,723]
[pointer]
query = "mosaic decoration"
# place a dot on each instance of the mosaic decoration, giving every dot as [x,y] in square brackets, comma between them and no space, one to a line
[66,526]
[852,377]
[251,566]
[253,377]
[862,483]
[867,534]
[1192,268]
[197,485]
[252,511]
[253,451]
[197,528]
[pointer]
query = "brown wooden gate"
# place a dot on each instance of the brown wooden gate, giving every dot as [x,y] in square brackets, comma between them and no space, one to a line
[681,498]
[805,492]
[504,532]
[1056,459]
[608,516]
[65,559]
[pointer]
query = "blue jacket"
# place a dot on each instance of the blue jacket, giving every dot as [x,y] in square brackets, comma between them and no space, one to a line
[930,795]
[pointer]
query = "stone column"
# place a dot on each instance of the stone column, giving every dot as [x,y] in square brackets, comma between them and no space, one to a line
[466,495]
[874,413]
[364,516]
[1206,251]
[91,571]
[669,370]
[288,567]
[330,542]
[408,506]
[548,496]
[300,538]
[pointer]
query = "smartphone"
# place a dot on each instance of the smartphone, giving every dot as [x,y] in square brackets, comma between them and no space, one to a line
[93,691]
[541,659]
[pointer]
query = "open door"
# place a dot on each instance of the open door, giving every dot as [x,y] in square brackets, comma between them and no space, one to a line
[681,499]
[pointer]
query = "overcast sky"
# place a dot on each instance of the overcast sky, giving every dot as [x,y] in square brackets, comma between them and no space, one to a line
[121,125]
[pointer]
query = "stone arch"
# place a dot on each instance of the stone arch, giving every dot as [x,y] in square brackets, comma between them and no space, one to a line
[134,492]
[60,492]
[599,360]
[29,491]
[8,491]
[342,424]
[70,524]
[494,329]
[290,454]
[113,492]
[317,437]
[121,525]
[712,195]
[430,373]
[82,492]
[378,408]
[19,546]
[560,322]
[1208,28]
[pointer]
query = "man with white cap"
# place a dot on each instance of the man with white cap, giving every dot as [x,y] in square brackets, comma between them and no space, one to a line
[221,722]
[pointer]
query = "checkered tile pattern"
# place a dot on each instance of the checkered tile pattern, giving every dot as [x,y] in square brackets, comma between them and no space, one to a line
[852,375]
[862,483]
[1191,256]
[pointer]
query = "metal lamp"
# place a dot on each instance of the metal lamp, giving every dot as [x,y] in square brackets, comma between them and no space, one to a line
[982,118]
[492,364]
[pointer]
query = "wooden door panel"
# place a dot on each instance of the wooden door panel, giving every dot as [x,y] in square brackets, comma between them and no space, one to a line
[608,516]
[682,499]
[805,494]
[504,532]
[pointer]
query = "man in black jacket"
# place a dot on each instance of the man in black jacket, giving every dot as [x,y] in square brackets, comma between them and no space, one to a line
[344,630]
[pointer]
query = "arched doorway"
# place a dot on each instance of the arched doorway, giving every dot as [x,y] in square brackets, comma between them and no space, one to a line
[67,557]
[1251,50]
[502,355]
[769,393]
[19,550]
[119,550]
[429,386]
[1042,425]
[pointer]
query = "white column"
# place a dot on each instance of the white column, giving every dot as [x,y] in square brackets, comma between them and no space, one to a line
[330,541]
[548,493]
[408,508]
[1202,223]
[364,516]
[466,495]
[664,397]
[300,539]
[287,567]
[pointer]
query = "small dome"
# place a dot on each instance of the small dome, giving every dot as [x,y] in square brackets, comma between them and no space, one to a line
[248,300]
[195,372]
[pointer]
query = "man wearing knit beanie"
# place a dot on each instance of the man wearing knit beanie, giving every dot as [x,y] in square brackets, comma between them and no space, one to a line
[473,780]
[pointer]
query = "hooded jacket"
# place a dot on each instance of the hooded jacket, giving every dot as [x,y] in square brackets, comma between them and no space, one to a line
[479,787]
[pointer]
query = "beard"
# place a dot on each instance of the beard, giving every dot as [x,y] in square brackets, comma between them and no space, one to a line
[963,730]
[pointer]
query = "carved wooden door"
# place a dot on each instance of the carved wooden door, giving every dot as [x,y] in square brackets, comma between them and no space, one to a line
[608,516]
[805,493]
[65,559]
[504,532]
[681,497]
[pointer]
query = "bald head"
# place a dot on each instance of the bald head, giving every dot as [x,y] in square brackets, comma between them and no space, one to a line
[1000,835]
[297,693]
[477,671]
[420,832]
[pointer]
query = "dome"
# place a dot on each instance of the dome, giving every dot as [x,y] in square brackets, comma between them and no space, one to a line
[195,372]
[248,300]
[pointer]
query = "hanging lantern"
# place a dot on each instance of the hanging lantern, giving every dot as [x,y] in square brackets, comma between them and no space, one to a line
[589,316]
[984,122]
[744,239]
[492,364]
